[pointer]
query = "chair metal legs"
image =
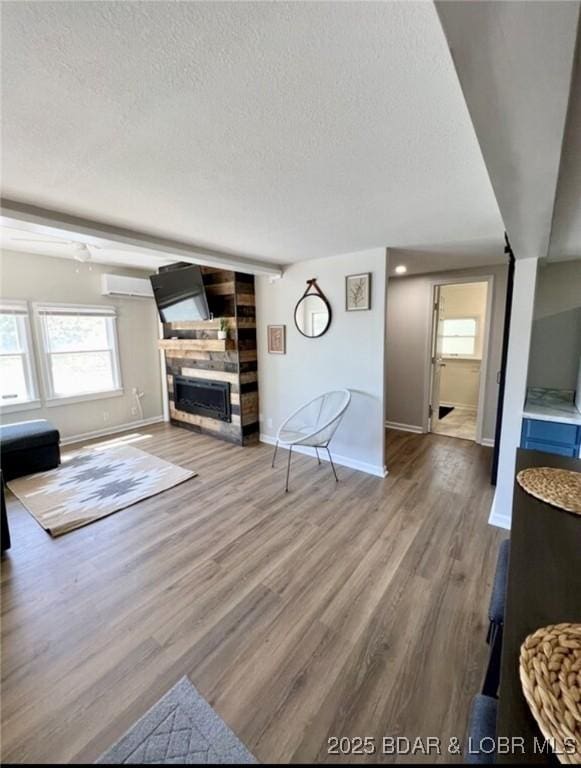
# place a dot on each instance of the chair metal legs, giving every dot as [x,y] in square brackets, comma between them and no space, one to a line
[288,465]
[332,465]
[290,452]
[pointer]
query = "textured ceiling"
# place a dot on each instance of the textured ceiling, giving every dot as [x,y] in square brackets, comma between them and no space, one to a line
[280,130]
[515,60]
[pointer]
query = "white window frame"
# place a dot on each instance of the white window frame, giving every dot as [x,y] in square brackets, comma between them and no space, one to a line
[41,311]
[476,337]
[20,309]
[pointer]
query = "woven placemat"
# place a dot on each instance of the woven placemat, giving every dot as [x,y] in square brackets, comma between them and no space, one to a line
[550,674]
[559,487]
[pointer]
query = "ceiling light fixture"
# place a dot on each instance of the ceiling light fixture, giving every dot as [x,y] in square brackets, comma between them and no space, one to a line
[401,269]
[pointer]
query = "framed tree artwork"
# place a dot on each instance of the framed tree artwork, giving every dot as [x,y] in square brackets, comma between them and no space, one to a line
[276,339]
[358,292]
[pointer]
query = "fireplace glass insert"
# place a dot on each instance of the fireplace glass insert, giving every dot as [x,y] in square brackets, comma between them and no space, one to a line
[207,398]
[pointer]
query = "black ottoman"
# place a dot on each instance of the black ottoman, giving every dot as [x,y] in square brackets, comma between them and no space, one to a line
[4,529]
[28,447]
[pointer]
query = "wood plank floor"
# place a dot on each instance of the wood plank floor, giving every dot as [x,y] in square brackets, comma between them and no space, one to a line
[356,609]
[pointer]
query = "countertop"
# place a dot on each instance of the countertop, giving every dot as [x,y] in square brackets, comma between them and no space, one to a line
[552,405]
[565,414]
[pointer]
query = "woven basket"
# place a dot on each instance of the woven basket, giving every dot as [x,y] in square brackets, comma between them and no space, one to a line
[559,487]
[550,674]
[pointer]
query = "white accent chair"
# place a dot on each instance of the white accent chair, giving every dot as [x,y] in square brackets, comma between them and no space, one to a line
[313,425]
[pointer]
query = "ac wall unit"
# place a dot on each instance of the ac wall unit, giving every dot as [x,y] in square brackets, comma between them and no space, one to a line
[119,285]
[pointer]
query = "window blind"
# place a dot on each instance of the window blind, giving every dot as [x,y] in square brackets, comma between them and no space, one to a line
[71,309]
[8,307]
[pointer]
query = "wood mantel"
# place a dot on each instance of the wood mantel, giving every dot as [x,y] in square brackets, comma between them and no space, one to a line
[198,345]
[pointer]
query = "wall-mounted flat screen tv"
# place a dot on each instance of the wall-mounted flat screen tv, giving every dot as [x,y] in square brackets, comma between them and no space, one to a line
[180,295]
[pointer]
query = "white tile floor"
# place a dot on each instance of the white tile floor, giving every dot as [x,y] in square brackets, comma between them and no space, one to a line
[458,423]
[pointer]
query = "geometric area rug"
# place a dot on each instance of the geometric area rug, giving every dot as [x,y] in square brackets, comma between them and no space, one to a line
[181,728]
[94,483]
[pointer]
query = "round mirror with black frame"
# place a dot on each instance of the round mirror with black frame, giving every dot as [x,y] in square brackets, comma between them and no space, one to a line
[313,312]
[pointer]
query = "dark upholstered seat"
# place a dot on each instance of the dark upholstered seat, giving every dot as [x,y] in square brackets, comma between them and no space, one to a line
[498,596]
[481,731]
[28,447]
[496,616]
[4,529]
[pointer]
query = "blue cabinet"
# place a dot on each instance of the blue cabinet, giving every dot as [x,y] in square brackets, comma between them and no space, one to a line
[551,437]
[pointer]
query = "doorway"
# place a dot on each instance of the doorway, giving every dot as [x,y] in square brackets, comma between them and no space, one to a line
[458,355]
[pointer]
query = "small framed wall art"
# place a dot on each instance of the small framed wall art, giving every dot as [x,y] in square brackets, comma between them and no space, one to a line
[276,339]
[358,292]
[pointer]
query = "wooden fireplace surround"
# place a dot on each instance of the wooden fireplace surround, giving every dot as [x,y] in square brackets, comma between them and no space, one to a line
[193,349]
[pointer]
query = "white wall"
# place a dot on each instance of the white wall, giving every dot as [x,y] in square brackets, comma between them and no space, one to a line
[409,318]
[460,383]
[556,334]
[350,355]
[521,320]
[44,279]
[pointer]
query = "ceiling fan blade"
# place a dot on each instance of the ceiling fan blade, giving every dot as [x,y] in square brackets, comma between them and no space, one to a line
[113,247]
[77,243]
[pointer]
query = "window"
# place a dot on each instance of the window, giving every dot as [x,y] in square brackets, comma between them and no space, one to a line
[80,351]
[459,336]
[17,376]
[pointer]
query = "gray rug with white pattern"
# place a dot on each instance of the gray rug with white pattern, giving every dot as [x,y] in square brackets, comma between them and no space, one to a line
[93,483]
[181,728]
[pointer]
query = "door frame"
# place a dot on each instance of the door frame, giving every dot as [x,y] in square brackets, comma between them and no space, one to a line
[439,282]
[435,319]
[503,357]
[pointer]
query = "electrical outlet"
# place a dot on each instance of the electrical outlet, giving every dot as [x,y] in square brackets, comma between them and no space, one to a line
[269,423]
[105,415]
[134,411]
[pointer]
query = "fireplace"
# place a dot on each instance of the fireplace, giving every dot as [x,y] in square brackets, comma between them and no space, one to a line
[207,398]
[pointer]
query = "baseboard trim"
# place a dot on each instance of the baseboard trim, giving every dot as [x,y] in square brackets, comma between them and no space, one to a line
[404,427]
[487,441]
[344,461]
[497,517]
[111,430]
[461,407]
